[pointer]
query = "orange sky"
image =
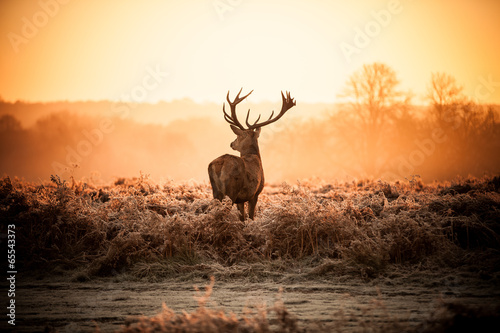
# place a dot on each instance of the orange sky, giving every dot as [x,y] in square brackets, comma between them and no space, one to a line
[123,49]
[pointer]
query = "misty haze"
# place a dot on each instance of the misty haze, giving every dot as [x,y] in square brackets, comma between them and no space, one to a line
[250,166]
[394,140]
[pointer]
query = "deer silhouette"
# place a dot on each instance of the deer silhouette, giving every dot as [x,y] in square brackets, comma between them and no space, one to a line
[242,178]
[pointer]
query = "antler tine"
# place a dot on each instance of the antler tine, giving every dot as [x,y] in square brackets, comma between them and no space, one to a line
[226,116]
[246,121]
[237,99]
[287,103]
[287,98]
[272,113]
[233,118]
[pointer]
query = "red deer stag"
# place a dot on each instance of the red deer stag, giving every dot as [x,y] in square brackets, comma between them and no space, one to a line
[242,178]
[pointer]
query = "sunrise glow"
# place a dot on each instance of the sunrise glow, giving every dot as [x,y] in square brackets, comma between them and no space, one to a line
[95,50]
[115,88]
[250,165]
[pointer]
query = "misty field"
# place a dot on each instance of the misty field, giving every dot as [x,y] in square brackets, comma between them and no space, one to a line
[354,256]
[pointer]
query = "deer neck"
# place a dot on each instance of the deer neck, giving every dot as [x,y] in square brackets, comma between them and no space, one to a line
[253,149]
[253,165]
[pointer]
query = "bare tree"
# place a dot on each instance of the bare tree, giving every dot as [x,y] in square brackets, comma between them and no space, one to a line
[445,95]
[373,104]
[471,129]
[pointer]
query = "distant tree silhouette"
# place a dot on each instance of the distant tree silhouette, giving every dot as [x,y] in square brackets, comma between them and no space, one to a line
[444,95]
[9,123]
[444,89]
[374,103]
[471,130]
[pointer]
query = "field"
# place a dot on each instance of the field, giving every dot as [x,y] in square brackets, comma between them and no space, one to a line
[354,256]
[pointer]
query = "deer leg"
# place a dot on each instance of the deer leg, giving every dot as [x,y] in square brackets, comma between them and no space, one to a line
[241,208]
[251,207]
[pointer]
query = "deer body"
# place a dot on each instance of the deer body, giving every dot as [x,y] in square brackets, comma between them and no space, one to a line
[242,178]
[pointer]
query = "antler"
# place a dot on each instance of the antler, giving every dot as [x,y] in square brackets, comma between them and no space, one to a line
[287,104]
[233,119]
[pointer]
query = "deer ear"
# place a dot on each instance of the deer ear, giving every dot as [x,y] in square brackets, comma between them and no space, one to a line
[236,130]
[257,132]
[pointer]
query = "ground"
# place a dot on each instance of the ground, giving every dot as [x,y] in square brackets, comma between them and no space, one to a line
[404,298]
[363,257]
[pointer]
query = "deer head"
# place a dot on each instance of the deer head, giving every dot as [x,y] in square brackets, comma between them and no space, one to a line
[246,141]
[244,138]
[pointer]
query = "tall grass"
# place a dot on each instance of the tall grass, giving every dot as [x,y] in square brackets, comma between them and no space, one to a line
[145,228]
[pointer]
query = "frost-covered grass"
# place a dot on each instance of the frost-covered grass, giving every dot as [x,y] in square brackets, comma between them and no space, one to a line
[138,229]
[159,230]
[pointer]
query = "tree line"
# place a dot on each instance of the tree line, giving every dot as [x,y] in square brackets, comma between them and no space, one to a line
[376,132]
